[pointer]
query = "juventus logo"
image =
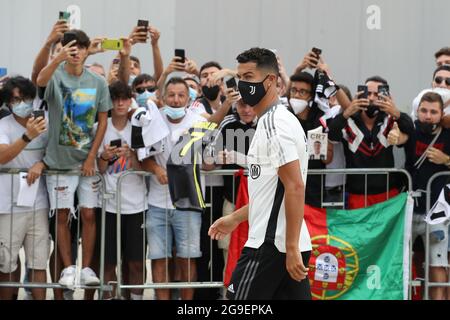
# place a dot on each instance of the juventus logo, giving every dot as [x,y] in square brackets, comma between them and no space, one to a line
[255,171]
[252,90]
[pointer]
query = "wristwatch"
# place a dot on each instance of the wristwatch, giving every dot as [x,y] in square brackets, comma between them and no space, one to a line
[447,163]
[25,138]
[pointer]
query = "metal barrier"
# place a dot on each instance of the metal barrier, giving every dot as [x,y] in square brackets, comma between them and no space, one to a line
[212,284]
[176,285]
[56,285]
[429,284]
[167,285]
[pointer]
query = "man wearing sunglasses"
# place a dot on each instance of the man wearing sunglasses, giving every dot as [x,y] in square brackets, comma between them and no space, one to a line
[144,86]
[441,78]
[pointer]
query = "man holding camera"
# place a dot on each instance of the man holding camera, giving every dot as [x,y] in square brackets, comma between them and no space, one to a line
[75,96]
[363,128]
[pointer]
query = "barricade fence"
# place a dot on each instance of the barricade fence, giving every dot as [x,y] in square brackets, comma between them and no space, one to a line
[53,284]
[121,285]
[428,284]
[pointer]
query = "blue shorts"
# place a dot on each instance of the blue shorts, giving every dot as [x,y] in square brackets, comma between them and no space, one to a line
[165,225]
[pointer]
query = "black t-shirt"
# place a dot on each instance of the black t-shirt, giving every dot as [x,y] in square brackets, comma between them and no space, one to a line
[415,147]
[364,148]
[314,182]
[243,134]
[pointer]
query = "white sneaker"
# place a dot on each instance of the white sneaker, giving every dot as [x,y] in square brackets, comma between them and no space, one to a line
[68,276]
[89,278]
[68,294]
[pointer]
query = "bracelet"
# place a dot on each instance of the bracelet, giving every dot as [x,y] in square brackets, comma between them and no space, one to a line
[101,157]
[25,138]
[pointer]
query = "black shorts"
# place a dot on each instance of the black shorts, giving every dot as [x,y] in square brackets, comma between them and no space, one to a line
[132,234]
[261,275]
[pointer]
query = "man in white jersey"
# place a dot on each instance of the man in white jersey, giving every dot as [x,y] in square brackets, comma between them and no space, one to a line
[272,263]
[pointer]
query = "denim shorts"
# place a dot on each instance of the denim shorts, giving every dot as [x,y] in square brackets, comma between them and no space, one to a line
[165,225]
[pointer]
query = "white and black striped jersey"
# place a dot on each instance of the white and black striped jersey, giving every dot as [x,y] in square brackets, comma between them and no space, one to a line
[279,139]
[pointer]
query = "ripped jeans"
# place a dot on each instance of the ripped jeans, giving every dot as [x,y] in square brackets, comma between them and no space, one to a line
[61,192]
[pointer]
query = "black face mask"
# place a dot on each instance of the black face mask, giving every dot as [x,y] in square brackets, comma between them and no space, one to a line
[426,128]
[211,93]
[252,92]
[372,111]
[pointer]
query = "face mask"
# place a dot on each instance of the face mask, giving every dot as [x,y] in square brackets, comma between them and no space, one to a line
[131,80]
[372,111]
[23,109]
[192,94]
[426,128]
[252,92]
[175,113]
[211,93]
[143,98]
[298,105]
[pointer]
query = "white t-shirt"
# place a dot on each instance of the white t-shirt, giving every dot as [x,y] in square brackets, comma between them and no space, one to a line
[279,139]
[11,131]
[133,189]
[159,195]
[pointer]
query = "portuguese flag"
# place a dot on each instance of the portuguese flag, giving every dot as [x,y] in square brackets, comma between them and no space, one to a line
[240,235]
[361,254]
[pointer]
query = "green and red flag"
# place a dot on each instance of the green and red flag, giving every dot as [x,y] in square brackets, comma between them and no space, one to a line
[361,254]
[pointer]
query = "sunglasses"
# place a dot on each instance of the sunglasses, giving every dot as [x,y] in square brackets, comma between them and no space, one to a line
[439,80]
[143,89]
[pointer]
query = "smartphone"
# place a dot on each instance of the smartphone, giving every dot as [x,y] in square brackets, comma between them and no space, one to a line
[69,36]
[116,143]
[64,15]
[143,24]
[365,90]
[38,113]
[317,51]
[180,53]
[231,84]
[3,72]
[383,90]
[112,44]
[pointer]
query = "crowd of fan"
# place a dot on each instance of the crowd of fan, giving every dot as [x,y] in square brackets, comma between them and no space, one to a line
[86,126]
